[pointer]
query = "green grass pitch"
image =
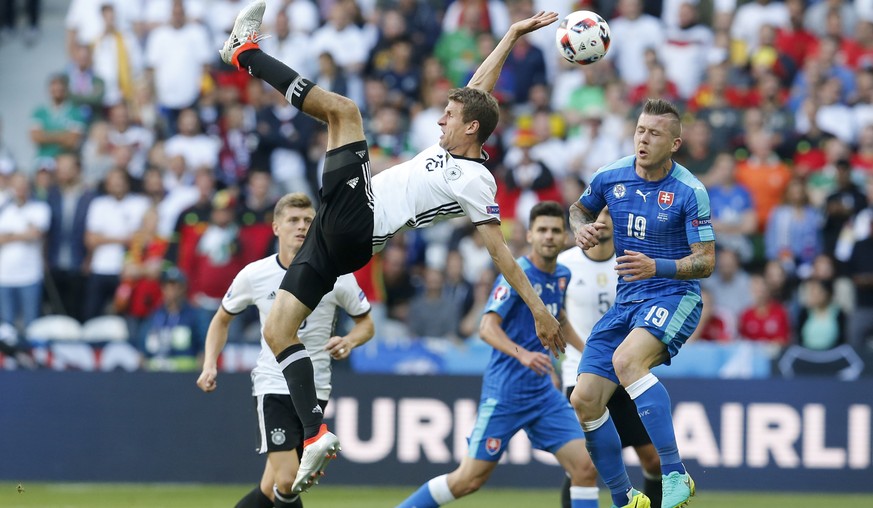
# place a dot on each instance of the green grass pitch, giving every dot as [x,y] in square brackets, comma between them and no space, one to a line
[72,495]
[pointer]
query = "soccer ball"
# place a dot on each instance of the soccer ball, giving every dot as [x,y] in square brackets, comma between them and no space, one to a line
[583,37]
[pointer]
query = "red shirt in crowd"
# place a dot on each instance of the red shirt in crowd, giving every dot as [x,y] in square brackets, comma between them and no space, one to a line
[770,324]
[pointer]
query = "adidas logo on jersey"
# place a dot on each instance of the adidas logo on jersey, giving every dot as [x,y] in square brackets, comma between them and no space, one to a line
[271,296]
[361,153]
[317,409]
[353,182]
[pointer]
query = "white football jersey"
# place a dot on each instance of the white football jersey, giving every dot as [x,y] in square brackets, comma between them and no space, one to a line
[257,284]
[431,187]
[590,294]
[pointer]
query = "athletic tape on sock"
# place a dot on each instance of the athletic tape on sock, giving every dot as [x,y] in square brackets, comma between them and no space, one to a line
[439,489]
[642,384]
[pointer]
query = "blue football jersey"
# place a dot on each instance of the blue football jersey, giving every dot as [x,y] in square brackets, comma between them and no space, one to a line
[506,378]
[660,219]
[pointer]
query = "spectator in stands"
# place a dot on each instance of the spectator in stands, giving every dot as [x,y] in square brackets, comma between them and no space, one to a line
[217,256]
[861,270]
[818,13]
[433,312]
[86,89]
[112,220]
[97,154]
[23,226]
[118,59]
[234,156]
[696,152]
[793,233]
[198,149]
[794,40]
[459,289]
[766,320]
[69,200]
[489,15]
[763,174]
[283,136]
[729,284]
[402,75]
[191,221]
[139,293]
[633,32]
[456,49]
[846,201]
[733,213]
[289,43]
[174,336]
[346,42]
[399,290]
[123,132]
[177,56]
[749,19]
[686,48]
[58,125]
[821,325]
[715,324]
[255,215]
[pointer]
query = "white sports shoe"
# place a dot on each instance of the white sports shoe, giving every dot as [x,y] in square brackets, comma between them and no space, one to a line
[245,32]
[320,450]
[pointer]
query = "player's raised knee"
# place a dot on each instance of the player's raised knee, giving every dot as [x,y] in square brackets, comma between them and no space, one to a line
[343,110]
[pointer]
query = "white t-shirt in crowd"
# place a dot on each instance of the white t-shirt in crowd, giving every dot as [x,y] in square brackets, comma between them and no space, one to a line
[117,218]
[257,284]
[178,57]
[21,262]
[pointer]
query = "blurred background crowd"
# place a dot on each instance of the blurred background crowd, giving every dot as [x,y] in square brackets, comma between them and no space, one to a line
[154,167]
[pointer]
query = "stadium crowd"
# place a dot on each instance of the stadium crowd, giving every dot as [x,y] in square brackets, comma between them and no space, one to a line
[158,166]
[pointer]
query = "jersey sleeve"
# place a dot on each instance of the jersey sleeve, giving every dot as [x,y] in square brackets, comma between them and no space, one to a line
[592,198]
[502,300]
[239,295]
[476,197]
[698,219]
[351,297]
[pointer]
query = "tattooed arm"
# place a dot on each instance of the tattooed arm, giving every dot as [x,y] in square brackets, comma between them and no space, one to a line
[633,265]
[699,264]
[584,226]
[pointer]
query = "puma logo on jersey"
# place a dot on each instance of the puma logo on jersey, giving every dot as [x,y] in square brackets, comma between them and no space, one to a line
[361,153]
[550,286]
[317,409]
[644,196]
[353,182]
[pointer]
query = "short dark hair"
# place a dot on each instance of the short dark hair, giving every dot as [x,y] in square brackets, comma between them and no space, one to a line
[660,107]
[478,105]
[292,200]
[545,209]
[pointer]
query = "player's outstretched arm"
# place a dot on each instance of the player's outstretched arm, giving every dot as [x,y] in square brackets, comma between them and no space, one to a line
[583,223]
[486,75]
[491,331]
[216,338]
[548,328]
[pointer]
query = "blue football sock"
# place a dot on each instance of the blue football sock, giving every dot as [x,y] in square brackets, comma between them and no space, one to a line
[653,406]
[432,494]
[604,445]
[421,498]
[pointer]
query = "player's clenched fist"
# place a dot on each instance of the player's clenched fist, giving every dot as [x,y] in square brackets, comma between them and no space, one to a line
[206,381]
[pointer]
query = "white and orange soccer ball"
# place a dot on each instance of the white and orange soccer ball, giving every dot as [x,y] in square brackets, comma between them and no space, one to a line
[583,37]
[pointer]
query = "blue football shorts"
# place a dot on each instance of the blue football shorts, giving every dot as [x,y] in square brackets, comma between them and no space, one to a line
[671,319]
[549,422]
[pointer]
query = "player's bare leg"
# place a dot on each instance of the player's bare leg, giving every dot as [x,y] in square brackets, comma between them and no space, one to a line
[279,478]
[575,460]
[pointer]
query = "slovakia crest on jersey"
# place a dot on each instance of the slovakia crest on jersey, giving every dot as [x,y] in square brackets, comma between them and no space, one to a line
[562,283]
[619,191]
[492,445]
[665,199]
